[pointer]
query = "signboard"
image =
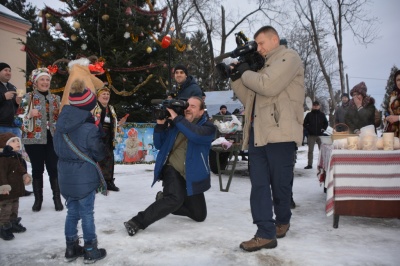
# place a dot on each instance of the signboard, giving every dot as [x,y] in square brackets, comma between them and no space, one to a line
[134,144]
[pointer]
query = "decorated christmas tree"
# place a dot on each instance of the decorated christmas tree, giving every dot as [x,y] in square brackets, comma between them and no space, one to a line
[128,39]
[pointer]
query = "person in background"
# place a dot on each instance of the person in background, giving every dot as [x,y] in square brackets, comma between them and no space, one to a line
[41,109]
[361,111]
[186,85]
[182,164]
[13,177]
[203,97]
[106,115]
[79,146]
[223,110]
[271,132]
[315,124]
[340,113]
[392,116]
[9,103]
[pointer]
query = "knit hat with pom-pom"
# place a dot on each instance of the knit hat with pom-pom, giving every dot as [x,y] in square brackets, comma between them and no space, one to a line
[81,97]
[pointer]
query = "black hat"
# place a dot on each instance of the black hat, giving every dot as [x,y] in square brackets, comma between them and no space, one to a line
[181,67]
[345,95]
[223,106]
[81,97]
[315,103]
[4,65]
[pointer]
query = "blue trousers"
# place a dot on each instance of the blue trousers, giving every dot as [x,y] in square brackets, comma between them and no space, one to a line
[81,209]
[271,175]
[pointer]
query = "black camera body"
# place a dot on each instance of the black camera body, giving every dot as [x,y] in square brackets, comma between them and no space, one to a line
[246,52]
[160,111]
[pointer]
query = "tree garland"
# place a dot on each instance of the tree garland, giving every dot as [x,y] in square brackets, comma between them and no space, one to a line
[127,93]
[134,69]
[162,83]
[59,14]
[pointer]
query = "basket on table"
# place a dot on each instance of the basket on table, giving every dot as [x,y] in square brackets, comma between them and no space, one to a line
[341,134]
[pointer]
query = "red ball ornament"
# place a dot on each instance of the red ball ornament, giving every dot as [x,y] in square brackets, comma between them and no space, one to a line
[166,41]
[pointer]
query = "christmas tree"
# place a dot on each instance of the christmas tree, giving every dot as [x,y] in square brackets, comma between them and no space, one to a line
[129,38]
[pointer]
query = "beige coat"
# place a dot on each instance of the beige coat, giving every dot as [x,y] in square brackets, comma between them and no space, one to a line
[279,91]
[80,71]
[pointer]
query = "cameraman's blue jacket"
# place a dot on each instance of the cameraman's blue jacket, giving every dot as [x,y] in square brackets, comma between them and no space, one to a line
[200,136]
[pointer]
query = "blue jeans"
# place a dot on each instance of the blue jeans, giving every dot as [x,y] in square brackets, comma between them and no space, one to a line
[271,175]
[81,209]
[14,130]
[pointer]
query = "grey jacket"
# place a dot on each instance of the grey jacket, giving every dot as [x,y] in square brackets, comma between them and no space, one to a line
[278,89]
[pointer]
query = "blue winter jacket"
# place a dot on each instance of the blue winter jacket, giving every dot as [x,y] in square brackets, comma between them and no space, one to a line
[77,178]
[188,89]
[200,136]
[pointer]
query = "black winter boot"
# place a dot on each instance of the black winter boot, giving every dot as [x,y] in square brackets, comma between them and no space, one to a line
[92,253]
[5,232]
[131,227]
[37,185]
[111,186]
[73,251]
[16,226]
[56,194]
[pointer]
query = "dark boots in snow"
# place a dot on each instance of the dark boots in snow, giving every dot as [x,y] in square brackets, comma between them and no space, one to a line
[16,226]
[56,194]
[73,251]
[37,185]
[111,186]
[5,232]
[92,253]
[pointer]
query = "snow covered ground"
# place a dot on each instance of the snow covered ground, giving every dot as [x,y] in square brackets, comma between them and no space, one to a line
[179,241]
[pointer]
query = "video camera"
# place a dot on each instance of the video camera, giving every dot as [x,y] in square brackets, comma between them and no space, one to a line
[160,111]
[245,52]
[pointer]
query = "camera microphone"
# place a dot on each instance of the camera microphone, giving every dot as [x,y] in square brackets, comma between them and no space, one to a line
[157,101]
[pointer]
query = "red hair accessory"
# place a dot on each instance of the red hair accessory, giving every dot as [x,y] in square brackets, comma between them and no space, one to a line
[96,68]
[52,69]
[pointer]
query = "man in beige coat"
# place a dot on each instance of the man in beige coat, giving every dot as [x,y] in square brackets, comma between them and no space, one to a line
[273,98]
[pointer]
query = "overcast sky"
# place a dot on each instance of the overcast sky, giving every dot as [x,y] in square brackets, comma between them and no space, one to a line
[370,64]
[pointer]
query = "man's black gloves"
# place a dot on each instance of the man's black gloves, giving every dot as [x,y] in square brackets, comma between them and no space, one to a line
[243,67]
[238,70]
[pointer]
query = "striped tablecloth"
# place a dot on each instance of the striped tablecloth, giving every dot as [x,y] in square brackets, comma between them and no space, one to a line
[362,175]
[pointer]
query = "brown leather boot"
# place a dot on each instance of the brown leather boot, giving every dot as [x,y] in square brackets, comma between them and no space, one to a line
[281,230]
[257,243]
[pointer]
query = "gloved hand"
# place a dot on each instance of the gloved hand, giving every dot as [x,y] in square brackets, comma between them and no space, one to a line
[235,75]
[243,67]
[238,70]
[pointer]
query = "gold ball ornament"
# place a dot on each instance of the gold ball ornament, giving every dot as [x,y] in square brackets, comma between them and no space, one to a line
[74,37]
[48,15]
[76,25]
[149,50]
[105,17]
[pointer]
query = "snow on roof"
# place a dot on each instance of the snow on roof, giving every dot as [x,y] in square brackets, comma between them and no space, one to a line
[4,11]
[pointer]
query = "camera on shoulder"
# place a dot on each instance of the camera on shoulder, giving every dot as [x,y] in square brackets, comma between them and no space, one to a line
[160,111]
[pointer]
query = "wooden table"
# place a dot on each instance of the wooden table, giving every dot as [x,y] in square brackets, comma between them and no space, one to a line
[361,183]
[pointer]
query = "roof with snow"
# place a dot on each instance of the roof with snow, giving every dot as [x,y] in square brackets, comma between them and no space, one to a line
[5,12]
